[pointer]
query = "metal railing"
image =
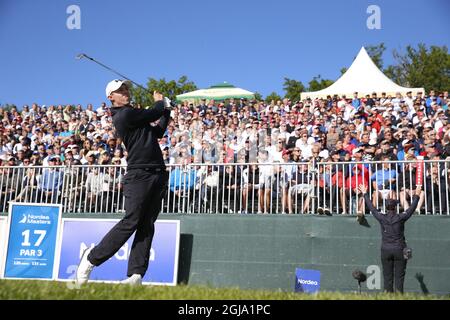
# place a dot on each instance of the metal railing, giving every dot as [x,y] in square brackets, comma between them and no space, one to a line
[275,188]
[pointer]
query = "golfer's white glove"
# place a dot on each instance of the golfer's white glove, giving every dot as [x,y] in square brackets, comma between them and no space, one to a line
[167,104]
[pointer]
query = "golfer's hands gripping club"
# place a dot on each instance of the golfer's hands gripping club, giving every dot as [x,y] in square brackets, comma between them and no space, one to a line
[158,97]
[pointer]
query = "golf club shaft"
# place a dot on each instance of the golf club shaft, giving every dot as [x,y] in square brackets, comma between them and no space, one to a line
[112,70]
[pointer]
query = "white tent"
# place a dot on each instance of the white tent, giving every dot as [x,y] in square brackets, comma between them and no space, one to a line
[220,91]
[363,77]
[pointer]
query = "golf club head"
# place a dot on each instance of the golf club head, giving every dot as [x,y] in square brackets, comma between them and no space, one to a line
[80,56]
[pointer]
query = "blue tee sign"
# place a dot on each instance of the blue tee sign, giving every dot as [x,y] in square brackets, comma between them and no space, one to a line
[307,281]
[32,240]
[79,234]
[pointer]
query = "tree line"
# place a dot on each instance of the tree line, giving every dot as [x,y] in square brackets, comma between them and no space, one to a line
[421,66]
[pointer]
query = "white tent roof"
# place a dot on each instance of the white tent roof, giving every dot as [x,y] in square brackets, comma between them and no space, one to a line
[363,77]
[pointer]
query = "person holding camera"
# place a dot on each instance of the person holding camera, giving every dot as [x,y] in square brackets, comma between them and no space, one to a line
[144,184]
[394,252]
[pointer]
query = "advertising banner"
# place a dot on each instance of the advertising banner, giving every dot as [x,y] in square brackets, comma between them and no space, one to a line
[79,234]
[31,241]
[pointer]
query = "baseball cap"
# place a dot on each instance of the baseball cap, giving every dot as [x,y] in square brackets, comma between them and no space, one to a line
[114,85]
[285,152]
[356,150]
[333,152]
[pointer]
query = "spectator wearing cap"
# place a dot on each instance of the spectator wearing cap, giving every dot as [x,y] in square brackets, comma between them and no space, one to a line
[386,149]
[357,154]
[12,161]
[49,152]
[364,139]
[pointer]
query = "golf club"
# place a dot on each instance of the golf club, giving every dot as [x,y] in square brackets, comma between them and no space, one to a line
[83,55]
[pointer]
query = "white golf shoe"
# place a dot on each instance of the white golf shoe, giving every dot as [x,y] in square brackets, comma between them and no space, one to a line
[135,279]
[84,268]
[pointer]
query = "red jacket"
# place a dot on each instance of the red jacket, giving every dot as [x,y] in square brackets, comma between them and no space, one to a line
[362,177]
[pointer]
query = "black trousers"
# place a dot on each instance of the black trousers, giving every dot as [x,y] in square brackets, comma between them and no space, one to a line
[394,269]
[143,192]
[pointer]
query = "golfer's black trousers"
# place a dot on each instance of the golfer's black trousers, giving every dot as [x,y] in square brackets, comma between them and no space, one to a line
[143,192]
[394,269]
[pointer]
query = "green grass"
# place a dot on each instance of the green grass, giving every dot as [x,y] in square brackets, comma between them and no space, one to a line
[43,290]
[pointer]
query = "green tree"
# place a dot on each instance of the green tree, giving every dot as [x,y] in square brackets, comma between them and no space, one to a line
[258,96]
[6,108]
[422,67]
[293,89]
[169,89]
[317,83]
[273,96]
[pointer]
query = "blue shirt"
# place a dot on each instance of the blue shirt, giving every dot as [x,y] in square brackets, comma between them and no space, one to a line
[383,175]
[356,103]
[51,180]
[181,179]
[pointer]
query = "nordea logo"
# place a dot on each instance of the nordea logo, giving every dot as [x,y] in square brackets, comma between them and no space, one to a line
[310,282]
[307,280]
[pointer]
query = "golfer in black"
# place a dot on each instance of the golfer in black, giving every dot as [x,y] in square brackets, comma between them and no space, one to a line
[392,239]
[144,183]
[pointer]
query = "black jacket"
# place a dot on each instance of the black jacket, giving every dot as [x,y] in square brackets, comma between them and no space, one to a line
[392,224]
[141,138]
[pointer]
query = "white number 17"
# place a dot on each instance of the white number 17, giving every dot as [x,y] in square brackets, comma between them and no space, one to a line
[26,237]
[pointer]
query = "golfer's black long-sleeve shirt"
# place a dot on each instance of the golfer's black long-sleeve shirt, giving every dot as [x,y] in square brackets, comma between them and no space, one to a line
[139,136]
[392,224]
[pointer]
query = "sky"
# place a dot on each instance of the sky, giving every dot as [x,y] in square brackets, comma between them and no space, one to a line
[253,44]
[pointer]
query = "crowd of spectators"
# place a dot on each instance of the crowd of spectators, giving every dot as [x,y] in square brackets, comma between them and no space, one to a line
[361,129]
[357,128]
